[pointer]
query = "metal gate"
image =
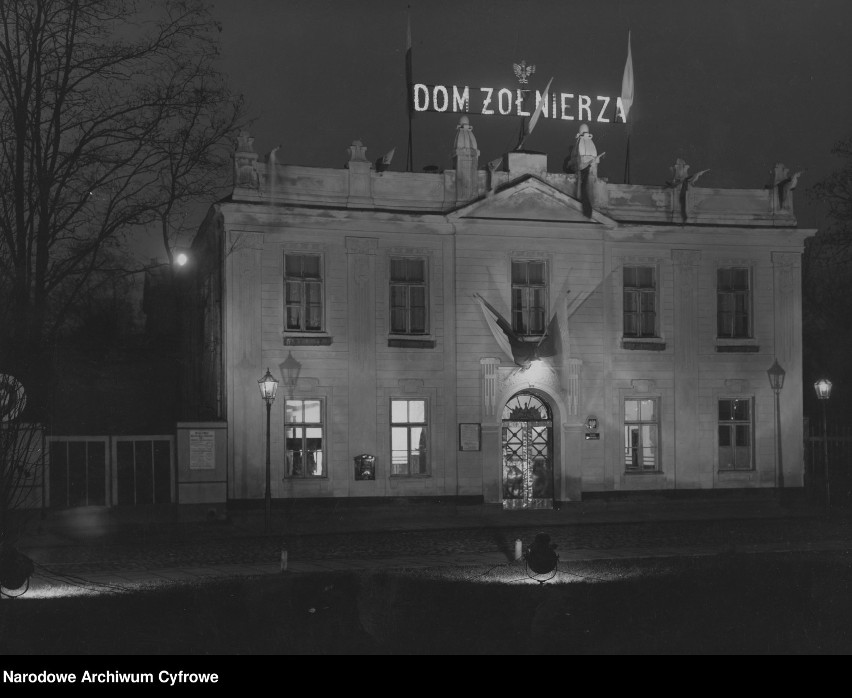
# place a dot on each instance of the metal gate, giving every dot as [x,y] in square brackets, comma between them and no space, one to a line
[527,453]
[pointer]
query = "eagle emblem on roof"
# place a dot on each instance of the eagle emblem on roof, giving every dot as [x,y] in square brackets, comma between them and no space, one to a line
[523,71]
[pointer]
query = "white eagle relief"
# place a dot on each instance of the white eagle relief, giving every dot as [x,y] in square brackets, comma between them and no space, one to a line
[523,71]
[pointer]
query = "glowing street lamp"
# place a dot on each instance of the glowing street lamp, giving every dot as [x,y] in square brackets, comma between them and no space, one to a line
[268,388]
[823,391]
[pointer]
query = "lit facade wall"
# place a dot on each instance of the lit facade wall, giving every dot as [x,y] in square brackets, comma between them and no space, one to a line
[467,226]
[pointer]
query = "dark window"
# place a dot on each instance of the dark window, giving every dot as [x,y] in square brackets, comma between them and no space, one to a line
[733,298]
[408,296]
[640,302]
[303,292]
[303,436]
[409,437]
[529,297]
[735,434]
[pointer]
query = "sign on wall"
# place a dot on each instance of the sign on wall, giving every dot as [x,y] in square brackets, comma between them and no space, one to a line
[469,437]
[202,449]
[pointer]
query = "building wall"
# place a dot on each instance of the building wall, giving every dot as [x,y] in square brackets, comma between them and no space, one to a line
[357,368]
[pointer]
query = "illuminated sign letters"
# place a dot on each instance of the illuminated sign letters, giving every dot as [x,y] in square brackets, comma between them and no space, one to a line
[564,106]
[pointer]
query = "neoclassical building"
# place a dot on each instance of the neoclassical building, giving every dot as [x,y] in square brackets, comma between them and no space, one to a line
[499,331]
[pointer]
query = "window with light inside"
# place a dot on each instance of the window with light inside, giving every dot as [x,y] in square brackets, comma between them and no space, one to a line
[641,435]
[735,434]
[303,439]
[409,437]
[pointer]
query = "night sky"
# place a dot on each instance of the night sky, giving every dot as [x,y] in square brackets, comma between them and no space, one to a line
[729,86]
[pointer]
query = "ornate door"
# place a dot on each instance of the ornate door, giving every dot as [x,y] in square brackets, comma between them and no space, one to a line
[527,453]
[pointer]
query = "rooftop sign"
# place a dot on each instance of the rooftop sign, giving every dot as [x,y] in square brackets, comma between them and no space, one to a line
[491,101]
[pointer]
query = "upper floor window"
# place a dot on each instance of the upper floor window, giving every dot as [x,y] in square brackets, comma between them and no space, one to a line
[640,302]
[408,296]
[409,437]
[735,434]
[641,435]
[733,302]
[303,438]
[303,288]
[529,296]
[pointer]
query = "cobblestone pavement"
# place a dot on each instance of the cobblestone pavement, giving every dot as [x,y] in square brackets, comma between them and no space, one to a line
[220,547]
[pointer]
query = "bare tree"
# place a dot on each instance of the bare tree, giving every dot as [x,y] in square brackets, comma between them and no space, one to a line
[111,116]
[828,255]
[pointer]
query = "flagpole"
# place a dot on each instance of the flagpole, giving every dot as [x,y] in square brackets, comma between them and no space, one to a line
[409,83]
[627,95]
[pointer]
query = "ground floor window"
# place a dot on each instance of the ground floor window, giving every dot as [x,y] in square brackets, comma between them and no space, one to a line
[303,437]
[409,437]
[641,435]
[735,434]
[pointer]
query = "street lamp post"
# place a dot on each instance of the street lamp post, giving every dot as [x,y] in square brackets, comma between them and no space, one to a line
[823,391]
[776,381]
[268,387]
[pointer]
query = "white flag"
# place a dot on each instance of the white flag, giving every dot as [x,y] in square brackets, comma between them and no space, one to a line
[627,82]
[538,108]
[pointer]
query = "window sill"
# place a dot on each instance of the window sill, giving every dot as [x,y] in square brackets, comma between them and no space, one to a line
[299,478]
[740,347]
[411,342]
[306,339]
[726,474]
[643,344]
[410,477]
[634,473]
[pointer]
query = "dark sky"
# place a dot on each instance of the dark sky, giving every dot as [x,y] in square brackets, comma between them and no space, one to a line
[733,86]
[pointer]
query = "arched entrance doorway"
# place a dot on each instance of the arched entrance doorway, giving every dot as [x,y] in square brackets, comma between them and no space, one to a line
[527,438]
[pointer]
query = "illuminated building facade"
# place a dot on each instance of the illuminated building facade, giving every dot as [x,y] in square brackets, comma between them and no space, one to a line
[497,331]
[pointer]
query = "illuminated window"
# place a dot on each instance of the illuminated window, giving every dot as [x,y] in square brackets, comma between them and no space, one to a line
[408,296]
[529,297]
[640,302]
[303,292]
[641,435]
[735,434]
[303,439]
[733,302]
[409,437]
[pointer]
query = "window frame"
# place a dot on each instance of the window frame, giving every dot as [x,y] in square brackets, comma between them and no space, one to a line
[526,305]
[639,292]
[732,292]
[625,424]
[409,426]
[408,285]
[303,305]
[305,425]
[732,425]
